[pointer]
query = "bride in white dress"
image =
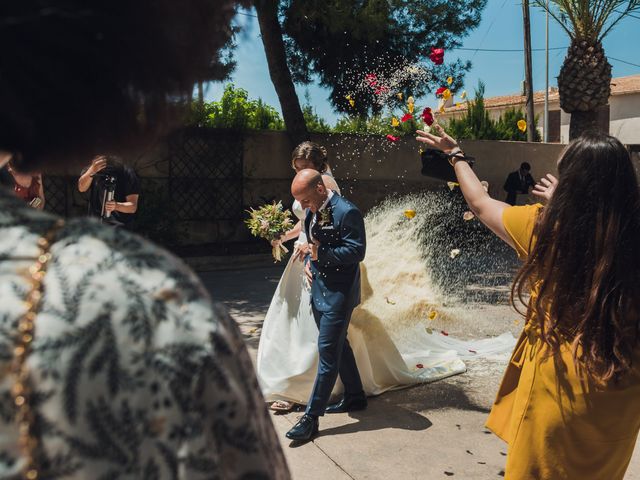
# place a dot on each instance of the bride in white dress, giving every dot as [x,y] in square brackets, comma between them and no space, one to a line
[288,352]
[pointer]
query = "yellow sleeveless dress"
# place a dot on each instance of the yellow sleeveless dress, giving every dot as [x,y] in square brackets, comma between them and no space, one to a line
[558,424]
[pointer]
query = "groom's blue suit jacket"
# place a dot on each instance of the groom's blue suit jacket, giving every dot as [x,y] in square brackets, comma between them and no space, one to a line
[336,273]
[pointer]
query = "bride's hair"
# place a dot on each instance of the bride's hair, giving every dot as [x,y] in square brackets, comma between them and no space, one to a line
[312,152]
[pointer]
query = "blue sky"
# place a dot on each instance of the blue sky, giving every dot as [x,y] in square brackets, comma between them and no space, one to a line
[502,72]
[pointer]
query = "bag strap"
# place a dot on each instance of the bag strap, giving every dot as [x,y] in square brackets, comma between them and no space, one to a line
[22,391]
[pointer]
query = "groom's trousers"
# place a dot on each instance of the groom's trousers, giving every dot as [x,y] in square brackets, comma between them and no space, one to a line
[336,357]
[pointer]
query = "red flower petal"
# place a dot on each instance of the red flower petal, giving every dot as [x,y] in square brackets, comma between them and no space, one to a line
[406,117]
[441,90]
[427,116]
[381,90]
[419,365]
[444,333]
[437,55]
[391,138]
[371,79]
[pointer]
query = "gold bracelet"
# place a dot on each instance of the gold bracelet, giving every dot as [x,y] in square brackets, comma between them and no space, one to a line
[22,389]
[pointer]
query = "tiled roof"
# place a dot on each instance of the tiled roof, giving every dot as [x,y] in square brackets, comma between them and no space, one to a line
[619,86]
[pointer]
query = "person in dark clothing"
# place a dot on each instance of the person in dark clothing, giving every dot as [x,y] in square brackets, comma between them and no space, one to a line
[103,171]
[518,182]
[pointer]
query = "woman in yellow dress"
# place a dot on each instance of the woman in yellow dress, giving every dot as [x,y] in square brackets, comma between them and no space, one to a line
[569,403]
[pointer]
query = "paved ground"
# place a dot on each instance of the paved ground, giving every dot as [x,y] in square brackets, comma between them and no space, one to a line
[432,431]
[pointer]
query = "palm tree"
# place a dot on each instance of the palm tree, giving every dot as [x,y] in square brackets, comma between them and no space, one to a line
[584,82]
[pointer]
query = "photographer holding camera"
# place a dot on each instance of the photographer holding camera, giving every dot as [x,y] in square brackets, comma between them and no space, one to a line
[114,190]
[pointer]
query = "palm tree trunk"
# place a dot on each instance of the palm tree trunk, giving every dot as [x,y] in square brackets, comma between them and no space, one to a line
[271,33]
[582,122]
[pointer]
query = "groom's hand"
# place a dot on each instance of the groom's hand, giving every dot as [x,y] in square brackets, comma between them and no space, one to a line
[314,249]
[307,272]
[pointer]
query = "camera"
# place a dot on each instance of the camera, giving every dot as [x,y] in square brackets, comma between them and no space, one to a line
[109,184]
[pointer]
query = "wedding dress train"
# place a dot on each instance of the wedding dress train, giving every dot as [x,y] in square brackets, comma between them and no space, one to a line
[288,352]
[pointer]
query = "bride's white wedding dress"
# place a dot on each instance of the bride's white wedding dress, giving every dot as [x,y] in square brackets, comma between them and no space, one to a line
[288,352]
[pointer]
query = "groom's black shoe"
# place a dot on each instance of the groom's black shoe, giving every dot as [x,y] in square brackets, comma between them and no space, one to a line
[305,429]
[349,403]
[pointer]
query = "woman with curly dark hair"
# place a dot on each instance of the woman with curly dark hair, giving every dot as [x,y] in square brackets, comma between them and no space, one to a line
[568,404]
[115,363]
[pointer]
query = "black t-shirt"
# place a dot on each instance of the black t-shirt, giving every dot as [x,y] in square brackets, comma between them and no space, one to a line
[127,183]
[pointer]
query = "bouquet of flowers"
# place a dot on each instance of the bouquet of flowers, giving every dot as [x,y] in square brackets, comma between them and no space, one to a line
[270,222]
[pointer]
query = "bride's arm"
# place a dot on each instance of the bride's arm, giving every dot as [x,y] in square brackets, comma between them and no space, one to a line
[330,183]
[290,235]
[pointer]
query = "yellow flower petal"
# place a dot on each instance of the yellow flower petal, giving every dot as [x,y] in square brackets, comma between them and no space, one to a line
[399,95]
[452,185]
[449,80]
[394,122]
[389,301]
[409,213]
[463,95]
[441,109]
[411,107]
[410,100]
[432,315]
[522,125]
[446,94]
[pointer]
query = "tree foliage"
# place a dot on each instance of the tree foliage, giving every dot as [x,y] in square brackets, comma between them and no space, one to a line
[339,41]
[476,124]
[235,110]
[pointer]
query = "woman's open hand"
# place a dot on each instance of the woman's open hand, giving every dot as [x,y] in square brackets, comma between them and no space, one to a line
[545,188]
[442,141]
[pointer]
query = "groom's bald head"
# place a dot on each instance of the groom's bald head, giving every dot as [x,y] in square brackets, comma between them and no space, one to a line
[308,188]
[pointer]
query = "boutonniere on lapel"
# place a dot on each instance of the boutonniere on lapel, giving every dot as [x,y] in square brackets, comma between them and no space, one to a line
[325,217]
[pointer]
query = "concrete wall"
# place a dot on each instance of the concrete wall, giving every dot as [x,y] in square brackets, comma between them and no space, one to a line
[624,115]
[369,168]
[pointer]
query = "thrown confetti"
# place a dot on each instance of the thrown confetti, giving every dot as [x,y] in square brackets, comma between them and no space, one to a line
[409,214]
[427,116]
[352,102]
[468,216]
[463,95]
[522,125]
[472,351]
[432,315]
[454,253]
[452,185]
[437,55]
[406,117]
[392,139]
[390,302]
[419,365]
[446,334]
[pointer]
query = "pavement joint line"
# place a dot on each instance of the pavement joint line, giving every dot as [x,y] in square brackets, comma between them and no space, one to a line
[325,453]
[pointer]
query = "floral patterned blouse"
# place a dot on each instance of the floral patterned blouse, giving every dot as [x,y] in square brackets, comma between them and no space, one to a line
[136,374]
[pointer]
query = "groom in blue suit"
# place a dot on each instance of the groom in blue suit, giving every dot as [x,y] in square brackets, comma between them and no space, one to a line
[336,234]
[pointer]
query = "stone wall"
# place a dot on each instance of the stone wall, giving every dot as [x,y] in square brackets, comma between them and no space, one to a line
[367,168]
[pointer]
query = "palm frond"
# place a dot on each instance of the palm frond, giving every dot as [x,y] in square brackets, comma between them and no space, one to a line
[589,20]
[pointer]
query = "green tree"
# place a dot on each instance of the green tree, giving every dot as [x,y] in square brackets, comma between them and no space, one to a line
[340,41]
[235,110]
[507,126]
[315,123]
[584,83]
[476,124]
